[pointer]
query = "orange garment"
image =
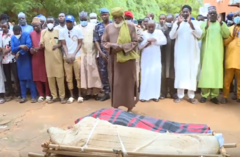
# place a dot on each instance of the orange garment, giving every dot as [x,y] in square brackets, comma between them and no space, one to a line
[232,49]
[232,64]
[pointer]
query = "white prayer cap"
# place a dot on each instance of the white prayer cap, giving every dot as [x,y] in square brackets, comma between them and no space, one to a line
[83,14]
[21,14]
[93,15]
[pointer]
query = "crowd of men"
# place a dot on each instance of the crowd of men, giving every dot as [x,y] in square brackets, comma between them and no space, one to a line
[114,58]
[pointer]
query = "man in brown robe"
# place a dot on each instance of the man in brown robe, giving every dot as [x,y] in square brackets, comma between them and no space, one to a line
[122,75]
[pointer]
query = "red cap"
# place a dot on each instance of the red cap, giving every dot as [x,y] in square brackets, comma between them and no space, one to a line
[128,13]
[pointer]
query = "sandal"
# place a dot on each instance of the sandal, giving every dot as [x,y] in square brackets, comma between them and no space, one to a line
[41,99]
[80,99]
[2,101]
[70,100]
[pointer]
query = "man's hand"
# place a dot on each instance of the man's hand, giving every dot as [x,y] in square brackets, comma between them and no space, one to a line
[104,56]
[54,47]
[32,50]
[6,51]
[220,19]
[41,46]
[17,55]
[151,40]
[148,44]
[189,18]
[180,19]
[235,32]
[23,47]
[140,39]
[208,23]
[115,46]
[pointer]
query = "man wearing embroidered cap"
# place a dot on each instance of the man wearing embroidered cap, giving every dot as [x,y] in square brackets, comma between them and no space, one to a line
[90,79]
[43,21]
[20,45]
[23,23]
[120,41]
[211,76]
[71,38]
[102,60]
[38,62]
[53,61]
[93,18]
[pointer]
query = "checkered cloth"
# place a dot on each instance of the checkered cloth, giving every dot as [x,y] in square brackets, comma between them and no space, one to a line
[120,117]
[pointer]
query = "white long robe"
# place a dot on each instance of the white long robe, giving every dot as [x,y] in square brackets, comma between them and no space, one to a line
[186,54]
[151,67]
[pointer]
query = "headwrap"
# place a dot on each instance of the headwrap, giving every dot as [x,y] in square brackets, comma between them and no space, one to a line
[21,14]
[36,20]
[128,13]
[42,17]
[83,14]
[212,8]
[4,16]
[93,15]
[118,11]
[104,10]
[188,7]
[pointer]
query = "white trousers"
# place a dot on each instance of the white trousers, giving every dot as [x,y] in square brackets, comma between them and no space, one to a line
[180,93]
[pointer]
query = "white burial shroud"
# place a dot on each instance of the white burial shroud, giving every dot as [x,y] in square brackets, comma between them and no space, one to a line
[100,134]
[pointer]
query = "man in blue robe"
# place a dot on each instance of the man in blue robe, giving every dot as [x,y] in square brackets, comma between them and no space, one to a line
[20,45]
[23,23]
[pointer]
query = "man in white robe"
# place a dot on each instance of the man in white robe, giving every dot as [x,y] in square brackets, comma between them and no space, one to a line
[186,55]
[151,67]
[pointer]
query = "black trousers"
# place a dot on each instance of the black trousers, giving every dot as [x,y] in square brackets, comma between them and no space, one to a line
[167,86]
[9,69]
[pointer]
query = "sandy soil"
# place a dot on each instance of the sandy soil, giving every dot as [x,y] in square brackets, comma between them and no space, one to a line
[27,123]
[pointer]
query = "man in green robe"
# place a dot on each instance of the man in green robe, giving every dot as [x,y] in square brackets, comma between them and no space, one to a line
[212,53]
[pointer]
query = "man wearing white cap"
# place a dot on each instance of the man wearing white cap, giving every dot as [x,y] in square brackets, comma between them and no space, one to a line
[93,18]
[23,23]
[90,78]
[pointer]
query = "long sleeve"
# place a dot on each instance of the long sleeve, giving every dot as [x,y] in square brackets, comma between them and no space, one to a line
[173,33]
[96,37]
[198,31]
[230,38]
[161,39]
[28,44]
[128,47]
[42,39]
[14,48]
[203,25]
[105,39]
[225,31]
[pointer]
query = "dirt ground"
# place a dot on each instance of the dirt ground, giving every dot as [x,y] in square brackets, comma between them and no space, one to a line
[27,123]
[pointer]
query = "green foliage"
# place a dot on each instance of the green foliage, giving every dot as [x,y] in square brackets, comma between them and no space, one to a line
[140,8]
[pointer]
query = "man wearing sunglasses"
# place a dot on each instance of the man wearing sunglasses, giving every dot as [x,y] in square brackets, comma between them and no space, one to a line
[71,38]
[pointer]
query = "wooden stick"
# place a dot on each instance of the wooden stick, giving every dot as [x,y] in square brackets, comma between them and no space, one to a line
[230,145]
[30,154]
[91,150]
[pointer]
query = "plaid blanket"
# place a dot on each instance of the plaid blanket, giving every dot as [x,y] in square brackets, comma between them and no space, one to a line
[120,117]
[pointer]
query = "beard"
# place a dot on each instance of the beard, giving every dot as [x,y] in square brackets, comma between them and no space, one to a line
[118,25]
